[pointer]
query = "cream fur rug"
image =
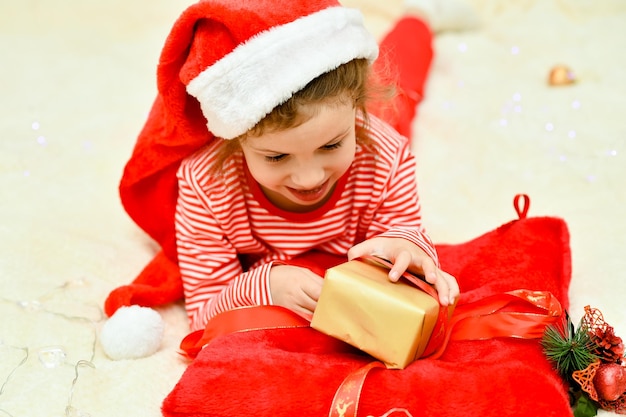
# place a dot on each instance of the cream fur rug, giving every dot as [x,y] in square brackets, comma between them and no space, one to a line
[77,79]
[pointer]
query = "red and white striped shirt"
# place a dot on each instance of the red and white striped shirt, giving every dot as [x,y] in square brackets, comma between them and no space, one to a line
[221,217]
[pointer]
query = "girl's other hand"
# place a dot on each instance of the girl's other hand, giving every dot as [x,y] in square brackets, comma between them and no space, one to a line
[295,288]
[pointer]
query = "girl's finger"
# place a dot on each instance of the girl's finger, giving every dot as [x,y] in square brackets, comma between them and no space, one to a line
[400,264]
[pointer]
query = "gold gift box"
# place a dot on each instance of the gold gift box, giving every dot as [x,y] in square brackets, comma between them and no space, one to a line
[392,321]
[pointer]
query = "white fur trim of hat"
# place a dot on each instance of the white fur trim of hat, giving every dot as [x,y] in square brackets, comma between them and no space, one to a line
[241,88]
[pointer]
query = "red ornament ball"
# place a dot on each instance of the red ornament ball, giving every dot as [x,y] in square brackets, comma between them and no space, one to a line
[610,381]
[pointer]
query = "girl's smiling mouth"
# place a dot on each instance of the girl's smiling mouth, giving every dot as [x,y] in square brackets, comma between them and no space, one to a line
[311,195]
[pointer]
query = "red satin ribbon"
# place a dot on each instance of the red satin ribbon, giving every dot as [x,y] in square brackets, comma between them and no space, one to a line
[519,314]
[348,395]
[241,319]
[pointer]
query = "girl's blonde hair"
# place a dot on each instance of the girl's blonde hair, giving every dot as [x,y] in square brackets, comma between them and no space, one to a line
[350,81]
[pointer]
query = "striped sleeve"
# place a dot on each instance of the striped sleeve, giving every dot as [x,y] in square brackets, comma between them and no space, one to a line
[212,276]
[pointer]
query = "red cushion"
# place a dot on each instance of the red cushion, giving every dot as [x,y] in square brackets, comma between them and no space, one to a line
[296,372]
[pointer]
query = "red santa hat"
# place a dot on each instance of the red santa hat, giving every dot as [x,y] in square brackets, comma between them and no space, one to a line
[247,57]
[224,66]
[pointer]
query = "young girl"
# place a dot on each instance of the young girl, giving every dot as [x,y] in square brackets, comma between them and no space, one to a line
[294,175]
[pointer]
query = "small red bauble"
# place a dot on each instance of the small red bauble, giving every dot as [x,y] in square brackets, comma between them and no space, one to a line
[610,381]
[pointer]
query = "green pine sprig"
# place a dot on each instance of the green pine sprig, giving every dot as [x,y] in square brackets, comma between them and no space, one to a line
[568,348]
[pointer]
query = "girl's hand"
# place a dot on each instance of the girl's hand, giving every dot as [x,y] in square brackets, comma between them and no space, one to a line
[404,256]
[295,288]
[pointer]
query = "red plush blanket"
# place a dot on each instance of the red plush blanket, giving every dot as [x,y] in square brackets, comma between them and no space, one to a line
[297,371]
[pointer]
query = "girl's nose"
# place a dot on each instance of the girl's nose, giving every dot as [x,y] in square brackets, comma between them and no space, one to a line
[308,177]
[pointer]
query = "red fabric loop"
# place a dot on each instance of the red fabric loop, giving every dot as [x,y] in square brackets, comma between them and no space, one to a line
[522,211]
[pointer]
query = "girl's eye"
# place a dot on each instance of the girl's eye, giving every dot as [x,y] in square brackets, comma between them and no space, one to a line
[332,146]
[278,158]
[275,158]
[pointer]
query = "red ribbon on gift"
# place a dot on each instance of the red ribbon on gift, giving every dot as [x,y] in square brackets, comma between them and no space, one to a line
[241,319]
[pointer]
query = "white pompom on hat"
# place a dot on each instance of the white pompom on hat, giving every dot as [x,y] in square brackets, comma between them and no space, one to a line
[247,57]
[133,332]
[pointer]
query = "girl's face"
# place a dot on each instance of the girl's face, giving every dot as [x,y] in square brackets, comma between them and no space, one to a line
[298,168]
